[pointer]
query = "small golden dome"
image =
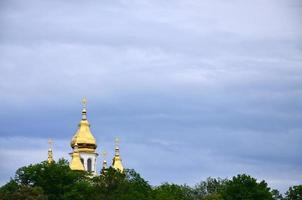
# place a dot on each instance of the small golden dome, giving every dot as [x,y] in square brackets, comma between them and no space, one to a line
[83,137]
[50,154]
[117,164]
[76,163]
[117,161]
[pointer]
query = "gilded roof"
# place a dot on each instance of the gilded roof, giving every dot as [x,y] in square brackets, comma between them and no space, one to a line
[75,163]
[83,136]
[117,161]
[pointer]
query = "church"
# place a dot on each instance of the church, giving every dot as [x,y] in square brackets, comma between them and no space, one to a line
[84,149]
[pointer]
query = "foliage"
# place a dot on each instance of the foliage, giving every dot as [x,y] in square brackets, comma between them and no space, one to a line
[115,185]
[294,193]
[210,187]
[56,181]
[213,197]
[21,192]
[244,187]
[168,191]
[276,195]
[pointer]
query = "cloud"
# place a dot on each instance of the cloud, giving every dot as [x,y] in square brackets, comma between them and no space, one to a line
[22,151]
[186,85]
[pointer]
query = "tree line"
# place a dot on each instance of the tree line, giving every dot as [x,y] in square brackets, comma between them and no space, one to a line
[56,181]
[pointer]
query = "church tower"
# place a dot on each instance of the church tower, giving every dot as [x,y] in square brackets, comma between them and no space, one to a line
[105,167]
[50,154]
[117,160]
[84,144]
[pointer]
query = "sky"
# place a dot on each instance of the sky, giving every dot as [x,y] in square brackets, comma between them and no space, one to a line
[192,88]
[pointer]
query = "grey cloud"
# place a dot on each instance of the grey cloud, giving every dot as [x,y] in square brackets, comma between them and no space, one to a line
[185,84]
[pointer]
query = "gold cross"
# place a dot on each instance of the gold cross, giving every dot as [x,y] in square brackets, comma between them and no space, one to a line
[50,142]
[117,141]
[84,102]
[104,154]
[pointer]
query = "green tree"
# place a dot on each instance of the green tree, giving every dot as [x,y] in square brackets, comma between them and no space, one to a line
[168,191]
[213,197]
[187,192]
[136,186]
[244,187]
[57,180]
[276,195]
[123,186]
[211,186]
[21,192]
[294,193]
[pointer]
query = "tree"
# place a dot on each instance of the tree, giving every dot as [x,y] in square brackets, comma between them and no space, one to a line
[168,191]
[21,192]
[128,185]
[213,197]
[137,187]
[57,180]
[276,195]
[244,187]
[211,186]
[294,193]
[187,192]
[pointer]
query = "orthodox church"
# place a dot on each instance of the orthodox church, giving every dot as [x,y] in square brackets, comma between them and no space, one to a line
[84,145]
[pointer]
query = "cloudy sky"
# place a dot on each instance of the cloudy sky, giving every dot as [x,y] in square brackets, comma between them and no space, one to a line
[193,88]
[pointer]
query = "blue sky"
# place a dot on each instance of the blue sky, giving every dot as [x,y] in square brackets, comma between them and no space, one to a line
[193,88]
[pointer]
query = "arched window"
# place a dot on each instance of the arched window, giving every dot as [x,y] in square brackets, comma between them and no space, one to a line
[89,164]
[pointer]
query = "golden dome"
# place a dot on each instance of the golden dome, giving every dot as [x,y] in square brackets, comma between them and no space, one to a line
[117,161]
[83,137]
[76,163]
[117,164]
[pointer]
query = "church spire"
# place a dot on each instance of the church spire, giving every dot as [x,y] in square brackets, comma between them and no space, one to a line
[104,154]
[117,161]
[75,163]
[83,137]
[105,167]
[50,154]
[84,145]
[84,112]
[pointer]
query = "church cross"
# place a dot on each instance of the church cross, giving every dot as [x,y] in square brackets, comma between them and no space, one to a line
[117,141]
[104,154]
[50,142]
[84,102]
